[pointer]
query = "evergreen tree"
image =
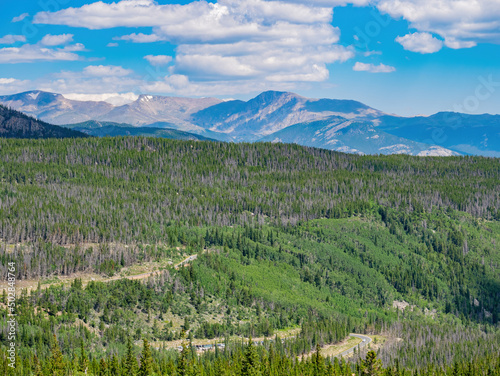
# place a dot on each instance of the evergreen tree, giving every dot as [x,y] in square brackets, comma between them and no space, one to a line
[250,363]
[183,364]
[130,364]
[103,368]
[56,361]
[83,362]
[319,363]
[114,366]
[146,360]
[37,368]
[371,365]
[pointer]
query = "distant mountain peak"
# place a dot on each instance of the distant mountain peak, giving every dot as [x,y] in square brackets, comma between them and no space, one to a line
[272,95]
[37,96]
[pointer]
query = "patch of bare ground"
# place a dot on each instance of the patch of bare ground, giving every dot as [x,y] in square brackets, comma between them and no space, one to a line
[133,272]
[334,349]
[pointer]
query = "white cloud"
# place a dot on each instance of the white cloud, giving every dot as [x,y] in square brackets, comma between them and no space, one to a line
[423,43]
[137,13]
[73,47]
[381,68]
[140,38]
[7,81]
[461,23]
[181,85]
[112,45]
[116,99]
[106,70]
[317,73]
[158,60]
[11,39]
[56,40]
[13,85]
[129,13]
[82,85]
[21,17]
[331,3]
[265,60]
[91,80]
[457,44]
[269,42]
[31,53]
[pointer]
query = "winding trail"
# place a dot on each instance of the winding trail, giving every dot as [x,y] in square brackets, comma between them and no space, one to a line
[365,341]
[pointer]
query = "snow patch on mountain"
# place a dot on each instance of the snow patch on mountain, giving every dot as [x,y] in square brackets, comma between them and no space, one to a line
[396,149]
[437,151]
[332,132]
[34,95]
[347,149]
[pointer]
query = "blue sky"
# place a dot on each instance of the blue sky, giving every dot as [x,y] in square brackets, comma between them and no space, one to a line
[407,57]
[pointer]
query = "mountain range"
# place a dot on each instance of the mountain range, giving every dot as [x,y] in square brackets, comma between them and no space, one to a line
[341,125]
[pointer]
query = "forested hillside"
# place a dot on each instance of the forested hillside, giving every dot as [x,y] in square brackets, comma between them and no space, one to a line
[285,238]
[16,124]
[134,189]
[109,129]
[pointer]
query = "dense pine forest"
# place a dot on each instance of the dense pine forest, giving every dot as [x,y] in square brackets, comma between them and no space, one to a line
[295,247]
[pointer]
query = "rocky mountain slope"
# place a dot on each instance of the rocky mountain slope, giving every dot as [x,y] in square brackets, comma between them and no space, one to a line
[273,111]
[352,136]
[468,134]
[55,108]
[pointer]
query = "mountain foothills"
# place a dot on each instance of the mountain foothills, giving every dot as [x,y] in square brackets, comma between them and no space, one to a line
[14,124]
[341,125]
[134,251]
[103,129]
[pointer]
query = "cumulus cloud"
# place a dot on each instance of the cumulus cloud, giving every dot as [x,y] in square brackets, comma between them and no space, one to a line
[31,53]
[140,38]
[116,99]
[423,43]
[91,80]
[181,85]
[331,3]
[13,85]
[457,44]
[381,68]
[158,60]
[56,40]
[106,70]
[251,40]
[461,23]
[11,39]
[73,47]
[137,13]
[7,81]
[111,84]
[267,60]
